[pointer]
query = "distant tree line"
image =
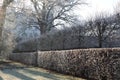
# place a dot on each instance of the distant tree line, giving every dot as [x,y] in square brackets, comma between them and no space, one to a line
[55,27]
[100,31]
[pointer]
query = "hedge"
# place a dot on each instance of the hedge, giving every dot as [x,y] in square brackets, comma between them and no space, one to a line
[98,64]
[28,58]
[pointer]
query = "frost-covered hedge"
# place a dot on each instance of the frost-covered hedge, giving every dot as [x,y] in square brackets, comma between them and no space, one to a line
[100,64]
[26,58]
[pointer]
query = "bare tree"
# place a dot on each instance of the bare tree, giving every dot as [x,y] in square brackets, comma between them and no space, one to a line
[51,13]
[2,17]
[3,12]
[8,43]
[102,27]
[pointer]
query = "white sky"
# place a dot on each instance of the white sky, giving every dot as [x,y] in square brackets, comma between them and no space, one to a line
[95,6]
[1,2]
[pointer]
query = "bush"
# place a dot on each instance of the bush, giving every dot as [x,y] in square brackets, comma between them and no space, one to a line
[100,64]
[26,58]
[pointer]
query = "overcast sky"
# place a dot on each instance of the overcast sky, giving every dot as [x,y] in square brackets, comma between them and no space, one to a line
[95,6]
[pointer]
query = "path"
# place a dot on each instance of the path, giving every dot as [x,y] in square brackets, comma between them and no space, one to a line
[16,71]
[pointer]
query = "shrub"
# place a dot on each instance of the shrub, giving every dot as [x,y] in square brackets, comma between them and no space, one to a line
[26,58]
[100,64]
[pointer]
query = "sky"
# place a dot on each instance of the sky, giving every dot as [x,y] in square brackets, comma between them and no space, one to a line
[1,2]
[95,6]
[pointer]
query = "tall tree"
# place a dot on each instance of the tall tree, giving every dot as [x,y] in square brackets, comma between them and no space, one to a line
[2,16]
[102,27]
[51,13]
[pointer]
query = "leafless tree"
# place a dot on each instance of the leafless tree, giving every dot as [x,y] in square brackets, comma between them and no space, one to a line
[2,17]
[51,13]
[102,27]
[8,43]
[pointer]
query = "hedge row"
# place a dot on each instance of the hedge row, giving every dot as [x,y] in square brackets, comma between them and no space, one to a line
[26,58]
[99,64]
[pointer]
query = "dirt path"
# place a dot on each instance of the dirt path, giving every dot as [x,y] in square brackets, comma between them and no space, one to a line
[16,71]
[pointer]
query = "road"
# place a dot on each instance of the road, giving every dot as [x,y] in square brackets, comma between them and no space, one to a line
[16,71]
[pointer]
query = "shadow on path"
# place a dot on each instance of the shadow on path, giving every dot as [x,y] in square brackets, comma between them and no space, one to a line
[10,65]
[17,74]
[39,73]
[24,72]
[1,78]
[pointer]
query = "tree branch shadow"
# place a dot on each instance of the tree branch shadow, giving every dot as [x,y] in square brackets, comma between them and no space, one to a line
[43,74]
[16,74]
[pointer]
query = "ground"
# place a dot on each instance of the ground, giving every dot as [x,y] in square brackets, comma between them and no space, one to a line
[10,70]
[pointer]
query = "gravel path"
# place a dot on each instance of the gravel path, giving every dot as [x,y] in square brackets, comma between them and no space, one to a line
[16,71]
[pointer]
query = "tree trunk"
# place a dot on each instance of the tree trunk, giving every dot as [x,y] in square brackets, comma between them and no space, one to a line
[2,19]
[43,29]
[100,42]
